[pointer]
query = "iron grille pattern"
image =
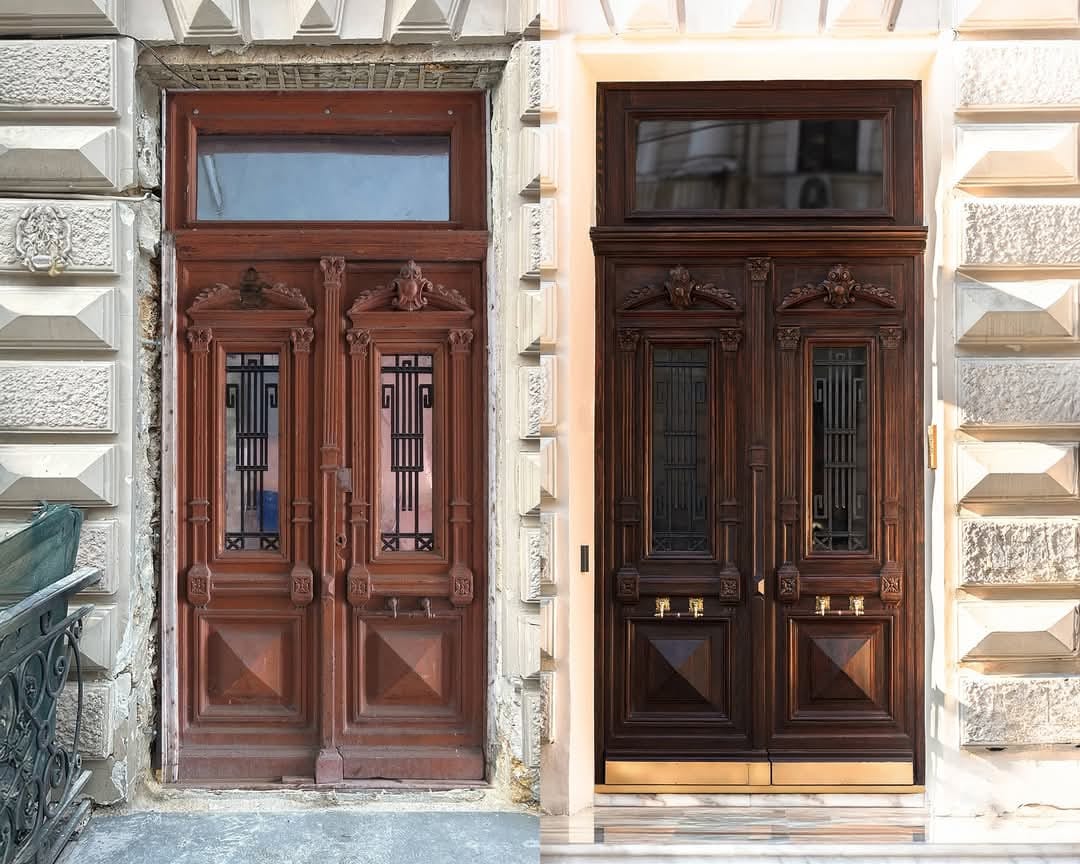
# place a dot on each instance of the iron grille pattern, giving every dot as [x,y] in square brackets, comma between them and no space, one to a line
[839,449]
[251,418]
[407,401]
[680,471]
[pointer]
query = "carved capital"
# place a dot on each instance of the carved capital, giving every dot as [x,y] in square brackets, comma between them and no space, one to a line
[730,338]
[301,338]
[358,586]
[461,341]
[628,339]
[461,585]
[198,585]
[333,268]
[892,583]
[359,341]
[301,585]
[788,338]
[627,585]
[890,336]
[758,268]
[199,339]
[787,583]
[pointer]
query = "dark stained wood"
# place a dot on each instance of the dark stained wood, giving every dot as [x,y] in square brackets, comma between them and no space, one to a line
[760,675]
[330,658]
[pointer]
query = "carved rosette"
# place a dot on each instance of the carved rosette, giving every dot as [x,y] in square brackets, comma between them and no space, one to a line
[461,585]
[359,341]
[43,239]
[628,339]
[890,336]
[627,585]
[461,341]
[758,268]
[787,583]
[892,583]
[412,291]
[198,339]
[788,338]
[301,338]
[840,289]
[358,589]
[198,585]
[730,584]
[301,585]
[730,338]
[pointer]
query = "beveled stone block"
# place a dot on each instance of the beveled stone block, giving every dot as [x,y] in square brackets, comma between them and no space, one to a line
[81,236]
[1012,471]
[45,396]
[58,157]
[77,76]
[208,20]
[57,318]
[99,639]
[1035,311]
[1020,232]
[60,16]
[1035,393]
[708,17]
[644,15]
[61,473]
[1015,711]
[1010,15]
[318,19]
[1008,630]
[1033,551]
[988,78]
[537,318]
[1043,154]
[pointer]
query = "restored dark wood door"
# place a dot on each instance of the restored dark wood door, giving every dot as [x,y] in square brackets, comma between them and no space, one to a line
[332,547]
[760,472]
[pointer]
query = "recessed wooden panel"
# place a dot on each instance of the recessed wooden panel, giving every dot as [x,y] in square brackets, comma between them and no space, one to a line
[840,667]
[679,667]
[249,665]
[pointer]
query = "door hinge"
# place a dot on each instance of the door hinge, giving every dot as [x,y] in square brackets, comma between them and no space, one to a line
[931,447]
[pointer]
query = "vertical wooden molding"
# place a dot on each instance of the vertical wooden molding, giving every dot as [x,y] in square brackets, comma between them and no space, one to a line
[358,580]
[627,578]
[729,511]
[301,578]
[892,574]
[461,575]
[198,574]
[787,574]
[329,765]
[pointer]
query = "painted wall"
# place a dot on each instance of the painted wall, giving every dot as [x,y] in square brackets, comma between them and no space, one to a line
[81,325]
[1001,104]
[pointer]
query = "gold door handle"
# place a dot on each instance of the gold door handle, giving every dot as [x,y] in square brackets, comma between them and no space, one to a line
[697,606]
[663,604]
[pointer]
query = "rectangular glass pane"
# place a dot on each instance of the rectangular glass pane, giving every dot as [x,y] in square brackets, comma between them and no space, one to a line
[751,164]
[323,177]
[680,464]
[839,485]
[252,442]
[406,439]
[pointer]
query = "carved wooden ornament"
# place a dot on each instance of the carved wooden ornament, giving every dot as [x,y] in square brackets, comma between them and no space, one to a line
[681,292]
[839,289]
[253,292]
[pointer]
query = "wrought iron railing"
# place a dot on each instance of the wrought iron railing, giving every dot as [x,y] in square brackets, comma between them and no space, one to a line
[41,776]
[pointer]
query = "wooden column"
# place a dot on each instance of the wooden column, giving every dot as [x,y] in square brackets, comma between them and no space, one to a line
[628,515]
[198,574]
[892,375]
[358,581]
[791,408]
[461,576]
[730,578]
[301,578]
[329,765]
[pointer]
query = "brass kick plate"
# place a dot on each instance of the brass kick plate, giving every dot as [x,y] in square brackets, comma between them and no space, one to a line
[776,776]
[684,773]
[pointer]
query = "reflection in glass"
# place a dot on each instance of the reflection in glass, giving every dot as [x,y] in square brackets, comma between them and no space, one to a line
[839,484]
[680,490]
[252,436]
[405,442]
[748,164]
[323,177]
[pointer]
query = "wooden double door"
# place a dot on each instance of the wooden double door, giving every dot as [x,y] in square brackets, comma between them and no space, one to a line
[331,575]
[760,510]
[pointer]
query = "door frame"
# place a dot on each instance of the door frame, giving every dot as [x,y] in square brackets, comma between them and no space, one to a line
[463,238]
[619,232]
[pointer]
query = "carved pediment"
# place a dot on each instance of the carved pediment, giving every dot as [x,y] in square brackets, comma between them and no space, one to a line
[253,292]
[840,289]
[680,291]
[411,291]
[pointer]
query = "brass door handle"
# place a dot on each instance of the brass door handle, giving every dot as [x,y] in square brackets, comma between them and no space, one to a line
[663,604]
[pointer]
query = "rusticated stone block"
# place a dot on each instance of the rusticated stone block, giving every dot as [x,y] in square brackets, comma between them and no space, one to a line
[1018,712]
[1019,551]
[1030,153]
[1010,15]
[46,396]
[58,157]
[1006,471]
[90,226]
[96,724]
[76,76]
[988,76]
[1011,630]
[1020,232]
[75,474]
[1033,311]
[537,388]
[1019,392]
[99,548]
[537,557]
[57,318]
[98,644]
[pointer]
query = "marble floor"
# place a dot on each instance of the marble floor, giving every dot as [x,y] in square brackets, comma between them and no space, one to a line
[809,835]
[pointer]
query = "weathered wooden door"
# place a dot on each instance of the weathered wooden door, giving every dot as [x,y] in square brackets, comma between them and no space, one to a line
[331,545]
[759,419]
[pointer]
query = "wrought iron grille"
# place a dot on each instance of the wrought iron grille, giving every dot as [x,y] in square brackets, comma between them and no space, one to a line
[680,471]
[252,428]
[407,401]
[839,449]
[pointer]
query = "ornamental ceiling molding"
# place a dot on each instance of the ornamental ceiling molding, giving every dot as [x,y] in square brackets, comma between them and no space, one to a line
[680,291]
[840,289]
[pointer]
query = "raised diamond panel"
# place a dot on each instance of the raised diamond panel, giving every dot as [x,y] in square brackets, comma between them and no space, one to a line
[408,665]
[841,667]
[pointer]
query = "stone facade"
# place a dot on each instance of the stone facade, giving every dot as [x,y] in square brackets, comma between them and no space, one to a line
[83,280]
